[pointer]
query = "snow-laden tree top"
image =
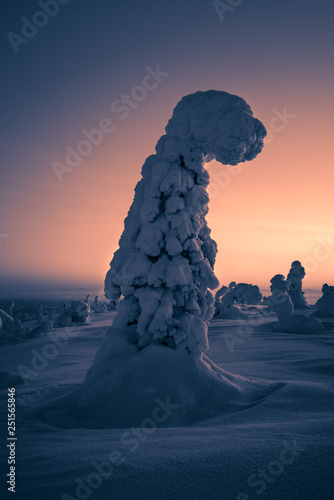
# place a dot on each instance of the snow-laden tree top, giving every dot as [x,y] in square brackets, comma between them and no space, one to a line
[164,265]
[216,124]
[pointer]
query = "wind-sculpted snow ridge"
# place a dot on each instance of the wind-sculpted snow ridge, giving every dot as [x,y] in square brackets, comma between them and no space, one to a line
[164,266]
[152,357]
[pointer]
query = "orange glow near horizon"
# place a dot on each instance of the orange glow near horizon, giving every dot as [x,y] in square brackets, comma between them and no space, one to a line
[277,209]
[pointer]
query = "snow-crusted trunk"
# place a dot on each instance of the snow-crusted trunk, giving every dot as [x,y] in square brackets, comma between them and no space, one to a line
[164,266]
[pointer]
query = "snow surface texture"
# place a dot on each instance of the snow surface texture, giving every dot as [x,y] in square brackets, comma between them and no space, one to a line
[216,459]
[295,277]
[281,304]
[124,387]
[164,265]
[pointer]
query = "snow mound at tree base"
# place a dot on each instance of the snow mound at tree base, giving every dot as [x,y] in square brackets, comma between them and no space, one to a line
[155,387]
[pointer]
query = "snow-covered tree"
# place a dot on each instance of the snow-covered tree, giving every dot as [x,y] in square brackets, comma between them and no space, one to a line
[295,277]
[282,305]
[164,266]
[325,305]
[241,293]
[152,358]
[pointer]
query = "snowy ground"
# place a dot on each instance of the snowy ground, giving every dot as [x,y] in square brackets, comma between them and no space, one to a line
[280,448]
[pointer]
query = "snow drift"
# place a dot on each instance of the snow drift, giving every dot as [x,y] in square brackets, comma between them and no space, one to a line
[155,387]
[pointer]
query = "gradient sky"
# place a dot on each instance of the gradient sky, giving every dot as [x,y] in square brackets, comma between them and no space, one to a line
[277,55]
